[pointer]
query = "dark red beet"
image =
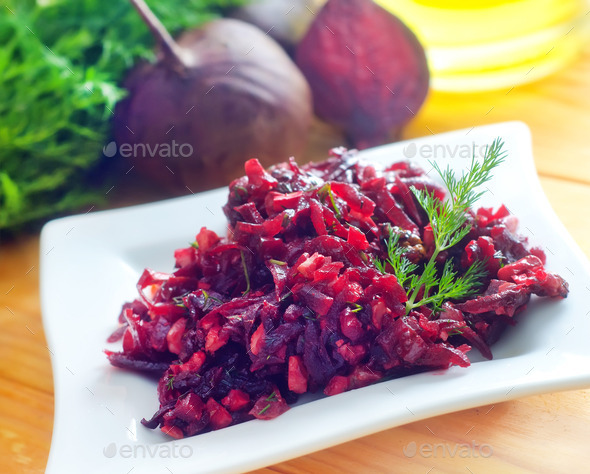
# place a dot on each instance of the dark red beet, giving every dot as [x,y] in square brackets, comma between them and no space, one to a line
[366,69]
[529,271]
[217,96]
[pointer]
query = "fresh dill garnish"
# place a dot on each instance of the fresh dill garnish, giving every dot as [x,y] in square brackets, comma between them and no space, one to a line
[357,307]
[402,267]
[426,286]
[326,190]
[447,218]
[286,221]
[285,296]
[245,268]
[179,301]
[364,256]
[170,382]
[240,192]
[271,398]
[456,332]
[206,300]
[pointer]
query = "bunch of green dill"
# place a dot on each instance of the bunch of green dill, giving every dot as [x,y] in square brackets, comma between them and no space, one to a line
[62,63]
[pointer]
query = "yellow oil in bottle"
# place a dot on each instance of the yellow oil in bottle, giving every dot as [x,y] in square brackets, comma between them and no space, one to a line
[490,44]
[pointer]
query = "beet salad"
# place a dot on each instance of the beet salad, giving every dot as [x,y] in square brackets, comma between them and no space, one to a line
[332,276]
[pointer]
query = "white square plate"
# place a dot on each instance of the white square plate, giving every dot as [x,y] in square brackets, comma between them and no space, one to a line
[90,265]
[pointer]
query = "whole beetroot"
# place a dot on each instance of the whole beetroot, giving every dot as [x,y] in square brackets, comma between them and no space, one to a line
[217,96]
[367,70]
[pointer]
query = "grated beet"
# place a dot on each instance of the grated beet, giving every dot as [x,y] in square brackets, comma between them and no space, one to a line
[291,301]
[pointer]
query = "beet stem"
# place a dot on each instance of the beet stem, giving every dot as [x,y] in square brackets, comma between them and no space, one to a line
[169,47]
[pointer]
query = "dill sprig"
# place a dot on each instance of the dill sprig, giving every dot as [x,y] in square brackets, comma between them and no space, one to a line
[170,382]
[246,276]
[448,220]
[402,267]
[326,191]
[271,398]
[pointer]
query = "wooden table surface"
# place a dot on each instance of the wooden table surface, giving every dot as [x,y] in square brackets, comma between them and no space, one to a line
[546,433]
